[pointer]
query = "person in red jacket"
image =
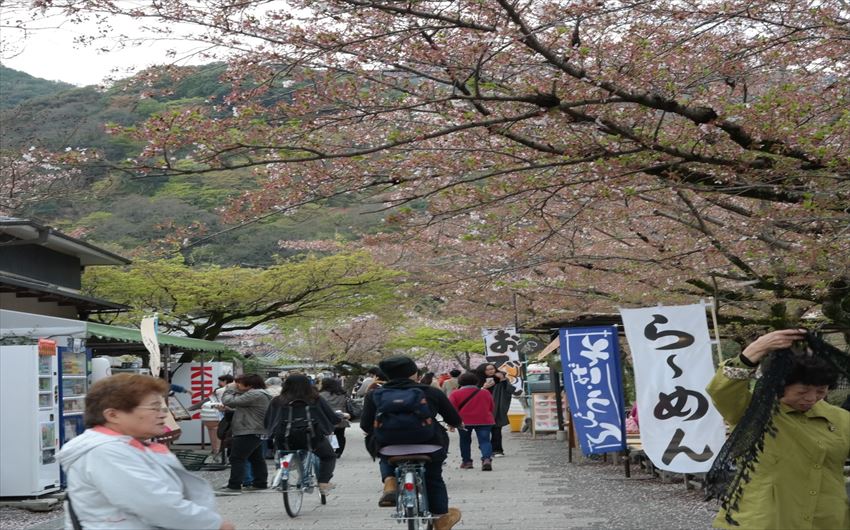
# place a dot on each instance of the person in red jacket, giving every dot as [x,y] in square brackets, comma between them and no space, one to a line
[476,409]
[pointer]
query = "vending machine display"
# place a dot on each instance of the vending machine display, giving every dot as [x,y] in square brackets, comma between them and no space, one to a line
[74,369]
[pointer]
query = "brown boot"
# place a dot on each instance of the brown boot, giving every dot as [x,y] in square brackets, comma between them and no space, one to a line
[447,521]
[388,498]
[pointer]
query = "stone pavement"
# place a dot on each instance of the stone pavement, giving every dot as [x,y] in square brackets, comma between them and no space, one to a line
[533,487]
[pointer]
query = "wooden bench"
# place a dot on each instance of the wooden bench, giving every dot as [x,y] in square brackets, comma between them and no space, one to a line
[634,450]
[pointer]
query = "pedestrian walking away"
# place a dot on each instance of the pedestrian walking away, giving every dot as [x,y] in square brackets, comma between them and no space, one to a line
[476,410]
[331,391]
[450,385]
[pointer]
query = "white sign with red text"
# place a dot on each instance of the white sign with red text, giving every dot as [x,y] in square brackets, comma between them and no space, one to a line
[199,379]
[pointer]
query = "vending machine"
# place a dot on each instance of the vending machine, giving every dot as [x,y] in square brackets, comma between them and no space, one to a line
[74,371]
[29,396]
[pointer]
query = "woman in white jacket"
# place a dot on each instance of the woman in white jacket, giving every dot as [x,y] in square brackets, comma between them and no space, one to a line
[116,480]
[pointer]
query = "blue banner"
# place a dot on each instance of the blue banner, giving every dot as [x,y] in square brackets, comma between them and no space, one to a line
[594,386]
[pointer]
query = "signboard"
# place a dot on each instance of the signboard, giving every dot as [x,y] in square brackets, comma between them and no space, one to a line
[46,347]
[501,347]
[594,386]
[149,330]
[680,429]
[200,379]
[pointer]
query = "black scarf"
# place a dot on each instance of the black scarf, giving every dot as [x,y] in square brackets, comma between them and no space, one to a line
[739,455]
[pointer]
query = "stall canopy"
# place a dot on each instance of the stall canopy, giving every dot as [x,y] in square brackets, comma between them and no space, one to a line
[116,333]
[16,323]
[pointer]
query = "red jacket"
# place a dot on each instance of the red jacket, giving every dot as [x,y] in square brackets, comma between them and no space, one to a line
[478,410]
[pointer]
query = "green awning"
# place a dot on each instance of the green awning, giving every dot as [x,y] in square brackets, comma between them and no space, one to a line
[103,331]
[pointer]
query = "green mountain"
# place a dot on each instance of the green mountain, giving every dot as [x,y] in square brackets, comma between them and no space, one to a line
[17,87]
[128,214]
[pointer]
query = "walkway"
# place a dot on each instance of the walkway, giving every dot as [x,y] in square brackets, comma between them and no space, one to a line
[533,487]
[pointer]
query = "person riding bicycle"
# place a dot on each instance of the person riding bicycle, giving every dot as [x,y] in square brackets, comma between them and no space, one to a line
[296,396]
[401,373]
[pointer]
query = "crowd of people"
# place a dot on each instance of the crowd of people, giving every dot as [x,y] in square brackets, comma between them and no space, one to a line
[783,466]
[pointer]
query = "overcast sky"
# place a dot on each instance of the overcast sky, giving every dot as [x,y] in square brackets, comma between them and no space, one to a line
[48,51]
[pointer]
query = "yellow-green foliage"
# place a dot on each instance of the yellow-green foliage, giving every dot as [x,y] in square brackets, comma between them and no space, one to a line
[204,302]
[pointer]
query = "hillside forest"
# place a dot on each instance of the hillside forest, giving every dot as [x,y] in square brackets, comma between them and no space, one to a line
[482,162]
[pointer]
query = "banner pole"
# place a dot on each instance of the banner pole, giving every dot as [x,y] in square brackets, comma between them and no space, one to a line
[711,302]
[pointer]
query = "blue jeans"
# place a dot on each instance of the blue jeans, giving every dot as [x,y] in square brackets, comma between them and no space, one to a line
[482,432]
[435,486]
[249,475]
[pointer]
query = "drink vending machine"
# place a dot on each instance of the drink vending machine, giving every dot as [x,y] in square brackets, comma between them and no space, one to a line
[29,395]
[74,372]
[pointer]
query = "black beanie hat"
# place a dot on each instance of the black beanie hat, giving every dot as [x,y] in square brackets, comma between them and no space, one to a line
[398,367]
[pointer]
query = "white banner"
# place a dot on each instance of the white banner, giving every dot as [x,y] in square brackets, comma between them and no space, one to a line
[149,330]
[680,429]
[501,347]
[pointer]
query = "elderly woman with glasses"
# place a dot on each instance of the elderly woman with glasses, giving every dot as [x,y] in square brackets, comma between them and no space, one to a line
[117,479]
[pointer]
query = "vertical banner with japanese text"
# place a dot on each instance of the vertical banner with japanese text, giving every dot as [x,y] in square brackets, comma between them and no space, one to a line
[594,386]
[149,329]
[501,347]
[680,429]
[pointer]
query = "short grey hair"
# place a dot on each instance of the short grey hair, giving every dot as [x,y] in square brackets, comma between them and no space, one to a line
[274,381]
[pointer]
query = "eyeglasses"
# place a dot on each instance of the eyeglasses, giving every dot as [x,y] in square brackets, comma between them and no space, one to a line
[154,408]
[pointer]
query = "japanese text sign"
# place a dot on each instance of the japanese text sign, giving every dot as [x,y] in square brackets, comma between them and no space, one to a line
[149,330]
[594,386]
[502,348]
[680,429]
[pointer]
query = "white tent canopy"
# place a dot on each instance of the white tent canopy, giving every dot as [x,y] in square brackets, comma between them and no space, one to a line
[17,324]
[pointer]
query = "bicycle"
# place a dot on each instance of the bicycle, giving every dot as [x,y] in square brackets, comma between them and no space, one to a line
[412,498]
[296,475]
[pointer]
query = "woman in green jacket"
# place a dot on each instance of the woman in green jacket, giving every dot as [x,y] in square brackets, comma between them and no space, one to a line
[796,479]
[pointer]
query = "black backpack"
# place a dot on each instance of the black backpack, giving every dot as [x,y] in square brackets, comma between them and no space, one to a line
[297,428]
[402,416]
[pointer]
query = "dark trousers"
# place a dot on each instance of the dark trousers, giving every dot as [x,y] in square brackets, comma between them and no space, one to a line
[496,439]
[247,448]
[435,486]
[340,437]
[327,458]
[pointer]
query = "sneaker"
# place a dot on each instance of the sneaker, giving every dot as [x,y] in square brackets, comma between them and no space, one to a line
[253,488]
[224,491]
[486,465]
[447,521]
[498,454]
[467,465]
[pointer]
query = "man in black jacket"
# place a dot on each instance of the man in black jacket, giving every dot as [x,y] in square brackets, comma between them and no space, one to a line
[401,374]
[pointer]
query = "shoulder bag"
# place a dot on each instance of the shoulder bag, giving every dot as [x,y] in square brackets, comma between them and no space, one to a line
[465,401]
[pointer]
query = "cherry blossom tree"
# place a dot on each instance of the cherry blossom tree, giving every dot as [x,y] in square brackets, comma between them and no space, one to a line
[573,152]
[33,175]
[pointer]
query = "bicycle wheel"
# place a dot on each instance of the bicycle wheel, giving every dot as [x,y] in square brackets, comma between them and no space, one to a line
[293,495]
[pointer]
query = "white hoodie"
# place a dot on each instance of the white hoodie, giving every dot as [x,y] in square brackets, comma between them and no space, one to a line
[117,483]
